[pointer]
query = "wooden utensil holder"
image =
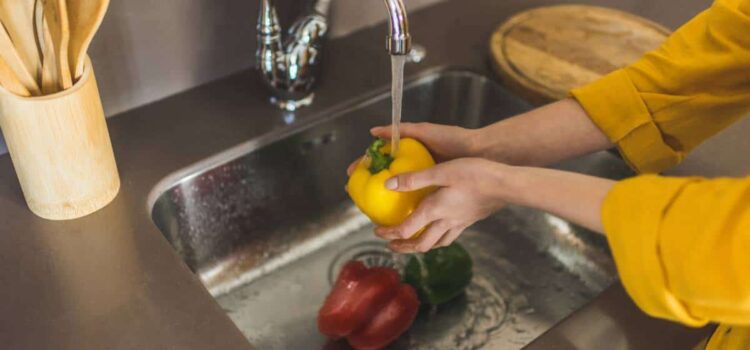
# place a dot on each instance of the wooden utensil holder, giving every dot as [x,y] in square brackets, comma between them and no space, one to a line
[61,149]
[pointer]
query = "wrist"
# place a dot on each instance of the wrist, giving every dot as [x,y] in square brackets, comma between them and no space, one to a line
[497,142]
[513,187]
[482,145]
[474,147]
[505,182]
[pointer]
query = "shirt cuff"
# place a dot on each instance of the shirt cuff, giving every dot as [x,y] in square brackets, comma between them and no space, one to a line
[631,214]
[615,106]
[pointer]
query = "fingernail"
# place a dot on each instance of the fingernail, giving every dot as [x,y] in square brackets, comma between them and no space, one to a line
[391,183]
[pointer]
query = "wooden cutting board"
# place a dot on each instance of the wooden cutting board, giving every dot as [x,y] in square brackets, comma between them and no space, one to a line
[545,52]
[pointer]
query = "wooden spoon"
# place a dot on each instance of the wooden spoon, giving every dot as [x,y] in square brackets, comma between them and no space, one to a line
[56,15]
[85,18]
[14,62]
[18,18]
[48,80]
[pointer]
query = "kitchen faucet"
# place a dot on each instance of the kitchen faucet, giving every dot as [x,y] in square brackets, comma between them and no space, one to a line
[289,67]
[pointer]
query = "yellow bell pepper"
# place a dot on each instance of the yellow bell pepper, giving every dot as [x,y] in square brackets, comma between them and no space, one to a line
[366,184]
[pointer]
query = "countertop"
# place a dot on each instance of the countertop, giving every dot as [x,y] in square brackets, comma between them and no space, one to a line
[111,281]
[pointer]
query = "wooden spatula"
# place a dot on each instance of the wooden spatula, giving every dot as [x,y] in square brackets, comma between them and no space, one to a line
[85,18]
[48,80]
[56,15]
[9,80]
[18,18]
[14,62]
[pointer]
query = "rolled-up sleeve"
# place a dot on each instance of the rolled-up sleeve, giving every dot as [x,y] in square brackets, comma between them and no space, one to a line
[682,246]
[693,86]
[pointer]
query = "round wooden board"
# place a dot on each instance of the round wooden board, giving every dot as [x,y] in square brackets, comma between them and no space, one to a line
[545,52]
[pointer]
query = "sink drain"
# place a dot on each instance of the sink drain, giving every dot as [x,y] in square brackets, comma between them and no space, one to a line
[372,253]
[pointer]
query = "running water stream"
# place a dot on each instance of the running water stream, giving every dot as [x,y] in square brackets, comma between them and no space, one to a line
[397,92]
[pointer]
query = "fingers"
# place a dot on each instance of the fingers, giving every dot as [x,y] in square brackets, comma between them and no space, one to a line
[383,132]
[406,129]
[417,180]
[449,237]
[424,242]
[423,216]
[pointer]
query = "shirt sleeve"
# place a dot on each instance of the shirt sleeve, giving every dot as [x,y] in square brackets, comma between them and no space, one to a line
[682,246]
[693,86]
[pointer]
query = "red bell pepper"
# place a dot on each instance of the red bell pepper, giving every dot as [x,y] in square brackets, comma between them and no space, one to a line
[369,306]
[389,323]
[358,293]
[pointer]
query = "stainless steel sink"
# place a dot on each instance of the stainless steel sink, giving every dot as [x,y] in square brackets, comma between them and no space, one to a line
[267,224]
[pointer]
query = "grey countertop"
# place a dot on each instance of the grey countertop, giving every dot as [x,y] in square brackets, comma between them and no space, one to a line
[110,280]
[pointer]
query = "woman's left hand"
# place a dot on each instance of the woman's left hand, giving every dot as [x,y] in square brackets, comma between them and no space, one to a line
[468,191]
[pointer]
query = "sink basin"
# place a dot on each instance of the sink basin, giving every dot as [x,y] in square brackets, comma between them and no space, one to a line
[266,226]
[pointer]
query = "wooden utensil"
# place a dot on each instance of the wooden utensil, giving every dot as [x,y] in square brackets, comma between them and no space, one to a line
[545,52]
[9,80]
[18,18]
[11,58]
[85,17]
[48,79]
[56,15]
[50,75]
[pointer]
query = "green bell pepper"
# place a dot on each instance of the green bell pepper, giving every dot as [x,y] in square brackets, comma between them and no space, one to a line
[440,274]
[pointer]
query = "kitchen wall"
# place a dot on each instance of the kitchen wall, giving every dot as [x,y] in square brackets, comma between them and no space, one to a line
[147,50]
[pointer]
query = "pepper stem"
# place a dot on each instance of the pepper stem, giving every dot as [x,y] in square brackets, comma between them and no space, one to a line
[380,160]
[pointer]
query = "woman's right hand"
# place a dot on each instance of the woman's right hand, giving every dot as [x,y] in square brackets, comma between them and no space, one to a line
[444,142]
[470,189]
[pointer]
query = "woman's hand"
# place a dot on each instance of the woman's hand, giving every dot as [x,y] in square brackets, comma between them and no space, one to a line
[444,142]
[469,190]
[545,135]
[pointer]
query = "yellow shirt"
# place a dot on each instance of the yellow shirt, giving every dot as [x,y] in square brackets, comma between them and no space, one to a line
[681,245]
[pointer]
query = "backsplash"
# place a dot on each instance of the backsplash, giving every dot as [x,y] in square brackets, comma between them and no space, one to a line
[147,50]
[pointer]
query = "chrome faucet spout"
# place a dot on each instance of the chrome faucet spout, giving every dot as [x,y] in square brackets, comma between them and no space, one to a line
[398,41]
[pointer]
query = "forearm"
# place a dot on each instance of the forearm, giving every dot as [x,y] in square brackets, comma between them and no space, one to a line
[572,196]
[543,136]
